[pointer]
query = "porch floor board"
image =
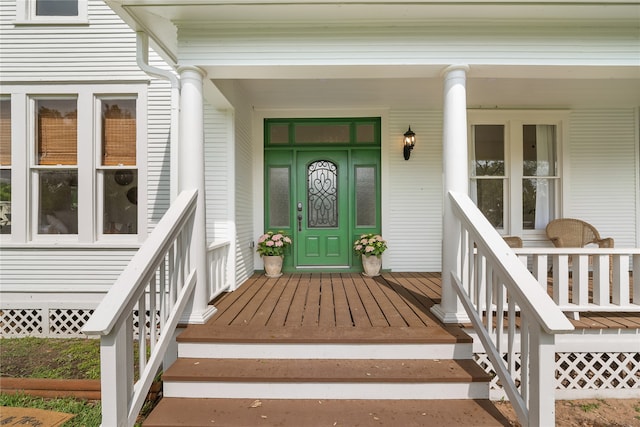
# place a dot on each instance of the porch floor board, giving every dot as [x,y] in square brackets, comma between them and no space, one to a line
[329,307]
[341,307]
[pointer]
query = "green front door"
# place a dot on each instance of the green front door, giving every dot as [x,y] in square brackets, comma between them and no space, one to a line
[322,187]
[322,209]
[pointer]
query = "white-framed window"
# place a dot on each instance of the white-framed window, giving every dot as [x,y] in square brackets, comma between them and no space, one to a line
[52,12]
[54,168]
[5,165]
[116,171]
[515,169]
[81,156]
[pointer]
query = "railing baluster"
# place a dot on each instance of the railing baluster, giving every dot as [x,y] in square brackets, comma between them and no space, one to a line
[511,334]
[636,279]
[620,282]
[153,318]
[561,279]
[540,268]
[580,276]
[142,332]
[489,302]
[524,358]
[499,287]
[601,295]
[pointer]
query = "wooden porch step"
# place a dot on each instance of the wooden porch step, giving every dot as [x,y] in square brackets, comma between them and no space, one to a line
[245,342]
[325,379]
[312,413]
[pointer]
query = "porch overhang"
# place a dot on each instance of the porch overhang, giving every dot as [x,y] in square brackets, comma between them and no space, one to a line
[395,77]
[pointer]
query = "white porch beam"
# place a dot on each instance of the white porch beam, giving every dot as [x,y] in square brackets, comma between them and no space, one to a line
[455,178]
[191,176]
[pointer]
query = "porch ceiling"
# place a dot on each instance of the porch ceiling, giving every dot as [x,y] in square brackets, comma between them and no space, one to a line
[427,93]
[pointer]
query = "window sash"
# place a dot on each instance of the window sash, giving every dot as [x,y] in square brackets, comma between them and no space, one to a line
[119,144]
[57,141]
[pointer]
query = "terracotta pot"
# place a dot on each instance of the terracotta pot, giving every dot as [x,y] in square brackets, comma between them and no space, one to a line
[273,265]
[372,265]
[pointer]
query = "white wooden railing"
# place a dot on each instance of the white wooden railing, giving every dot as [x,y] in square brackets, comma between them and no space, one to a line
[217,258]
[489,274]
[157,284]
[577,271]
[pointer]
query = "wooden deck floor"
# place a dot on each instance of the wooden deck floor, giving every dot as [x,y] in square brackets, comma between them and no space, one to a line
[329,307]
[332,306]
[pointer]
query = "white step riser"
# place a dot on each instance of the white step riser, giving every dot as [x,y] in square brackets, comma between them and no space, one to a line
[325,351]
[387,391]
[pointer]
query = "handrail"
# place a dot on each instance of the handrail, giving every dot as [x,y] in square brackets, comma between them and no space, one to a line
[492,284]
[157,283]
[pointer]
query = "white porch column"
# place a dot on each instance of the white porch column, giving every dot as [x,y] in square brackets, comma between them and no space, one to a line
[456,178]
[191,176]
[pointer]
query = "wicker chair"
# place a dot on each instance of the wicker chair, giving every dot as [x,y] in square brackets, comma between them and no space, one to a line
[513,241]
[575,233]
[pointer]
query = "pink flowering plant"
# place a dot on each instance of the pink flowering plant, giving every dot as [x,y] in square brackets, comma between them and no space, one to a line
[370,244]
[272,243]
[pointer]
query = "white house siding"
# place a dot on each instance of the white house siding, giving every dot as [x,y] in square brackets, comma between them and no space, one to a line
[74,270]
[240,177]
[217,134]
[531,42]
[412,192]
[244,203]
[101,52]
[603,164]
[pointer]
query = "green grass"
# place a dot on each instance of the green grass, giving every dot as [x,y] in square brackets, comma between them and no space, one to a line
[87,413]
[588,407]
[50,358]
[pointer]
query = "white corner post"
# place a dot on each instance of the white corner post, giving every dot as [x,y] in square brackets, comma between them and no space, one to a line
[191,176]
[455,178]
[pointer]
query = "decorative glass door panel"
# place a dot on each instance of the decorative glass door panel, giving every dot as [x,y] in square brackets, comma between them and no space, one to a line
[322,209]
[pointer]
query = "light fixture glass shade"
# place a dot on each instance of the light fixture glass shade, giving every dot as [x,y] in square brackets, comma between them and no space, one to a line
[409,143]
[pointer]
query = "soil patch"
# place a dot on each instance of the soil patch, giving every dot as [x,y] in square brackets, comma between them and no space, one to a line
[588,413]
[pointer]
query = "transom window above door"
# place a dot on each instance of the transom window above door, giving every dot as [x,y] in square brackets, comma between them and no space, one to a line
[515,170]
[305,132]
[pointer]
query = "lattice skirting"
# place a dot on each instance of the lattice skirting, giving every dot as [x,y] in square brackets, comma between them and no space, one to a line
[52,323]
[582,375]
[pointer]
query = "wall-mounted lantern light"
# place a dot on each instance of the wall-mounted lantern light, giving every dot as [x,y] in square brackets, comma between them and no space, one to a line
[409,143]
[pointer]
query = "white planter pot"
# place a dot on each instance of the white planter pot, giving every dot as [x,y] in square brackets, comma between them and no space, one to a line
[272,265]
[372,265]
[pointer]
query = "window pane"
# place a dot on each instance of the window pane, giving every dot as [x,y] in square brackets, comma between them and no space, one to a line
[365,133]
[5,132]
[489,197]
[119,132]
[279,133]
[322,133]
[538,203]
[58,202]
[120,215]
[57,7]
[5,201]
[365,196]
[57,131]
[488,150]
[279,202]
[539,150]
[322,194]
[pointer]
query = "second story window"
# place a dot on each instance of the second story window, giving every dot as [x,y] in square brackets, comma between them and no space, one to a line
[57,12]
[56,8]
